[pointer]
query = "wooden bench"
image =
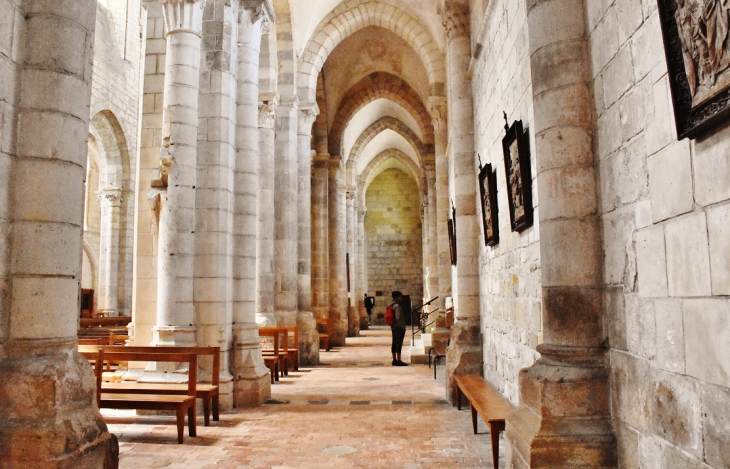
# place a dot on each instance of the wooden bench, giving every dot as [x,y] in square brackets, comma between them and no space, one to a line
[488,403]
[209,393]
[273,344]
[292,340]
[324,326]
[181,404]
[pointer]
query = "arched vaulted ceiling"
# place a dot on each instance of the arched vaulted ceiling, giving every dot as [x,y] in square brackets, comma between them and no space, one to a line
[353,15]
[379,127]
[370,114]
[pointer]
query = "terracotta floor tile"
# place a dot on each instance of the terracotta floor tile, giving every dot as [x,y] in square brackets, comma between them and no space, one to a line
[355,411]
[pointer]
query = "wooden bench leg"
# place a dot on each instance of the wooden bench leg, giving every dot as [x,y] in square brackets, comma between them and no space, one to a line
[458,396]
[180,425]
[473,418]
[192,431]
[216,416]
[494,429]
[206,411]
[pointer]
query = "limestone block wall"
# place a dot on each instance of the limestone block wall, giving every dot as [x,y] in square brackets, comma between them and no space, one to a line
[510,285]
[393,230]
[115,92]
[666,217]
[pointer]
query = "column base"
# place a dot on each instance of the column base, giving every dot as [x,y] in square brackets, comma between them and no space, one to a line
[49,412]
[183,336]
[564,418]
[308,339]
[353,321]
[464,355]
[339,328]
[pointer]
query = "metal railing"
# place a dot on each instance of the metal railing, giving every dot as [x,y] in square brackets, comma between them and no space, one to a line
[421,318]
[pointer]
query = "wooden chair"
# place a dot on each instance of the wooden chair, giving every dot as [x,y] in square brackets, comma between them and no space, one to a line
[292,340]
[324,326]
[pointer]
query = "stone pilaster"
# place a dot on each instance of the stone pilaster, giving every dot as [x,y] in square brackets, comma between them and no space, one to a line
[430,226]
[320,235]
[252,381]
[306,325]
[48,408]
[564,416]
[464,352]
[337,267]
[110,201]
[178,163]
[353,315]
[286,229]
[265,239]
[439,113]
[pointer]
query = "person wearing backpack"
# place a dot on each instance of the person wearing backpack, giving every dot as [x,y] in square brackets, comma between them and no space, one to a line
[395,318]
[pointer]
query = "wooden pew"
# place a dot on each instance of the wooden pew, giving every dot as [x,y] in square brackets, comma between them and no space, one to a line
[292,340]
[492,406]
[324,326]
[209,393]
[273,343]
[181,404]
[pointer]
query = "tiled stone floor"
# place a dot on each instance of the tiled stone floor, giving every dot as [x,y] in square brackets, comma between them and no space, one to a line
[354,411]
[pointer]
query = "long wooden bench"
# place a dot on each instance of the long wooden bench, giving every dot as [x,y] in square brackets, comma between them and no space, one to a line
[209,393]
[274,344]
[324,326]
[488,403]
[181,404]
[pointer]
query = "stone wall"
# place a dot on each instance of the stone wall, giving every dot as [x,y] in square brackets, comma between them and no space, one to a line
[394,239]
[666,216]
[510,285]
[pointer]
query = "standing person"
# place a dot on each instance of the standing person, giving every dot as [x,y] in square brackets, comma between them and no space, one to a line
[369,303]
[398,329]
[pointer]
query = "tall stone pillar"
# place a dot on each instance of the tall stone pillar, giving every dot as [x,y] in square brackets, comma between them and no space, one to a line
[430,224]
[361,262]
[564,417]
[320,236]
[110,201]
[353,315]
[48,408]
[338,272]
[265,238]
[252,383]
[306,325]
[438,109]
[464,352]
[178,162]
[286,229]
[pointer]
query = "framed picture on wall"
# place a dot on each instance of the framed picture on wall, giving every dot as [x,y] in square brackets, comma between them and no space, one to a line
[698,59]
[452,236]
[516,148]
[488,191]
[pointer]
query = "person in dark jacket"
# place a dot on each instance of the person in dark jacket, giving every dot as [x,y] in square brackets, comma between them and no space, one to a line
[398,329]
[369,303]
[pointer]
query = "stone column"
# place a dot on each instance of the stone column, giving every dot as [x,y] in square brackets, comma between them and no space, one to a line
[48,408]
[286,229]
[564,417]
[110,201]
[308,335]
[337,275]
[178,162]
[353,315]
[361,262]
[265,238]
[320,236]
[464,353]
[252,382]
[431,226]
[443,205]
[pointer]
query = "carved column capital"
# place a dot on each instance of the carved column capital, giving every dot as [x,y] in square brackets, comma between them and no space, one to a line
[455,18]
[182,15]
[335,162]
[438,108]
[110,197]
[259,10]
[267,110]
[308,113]
[321,161]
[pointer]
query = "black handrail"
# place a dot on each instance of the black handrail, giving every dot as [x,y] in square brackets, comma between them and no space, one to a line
[421,327]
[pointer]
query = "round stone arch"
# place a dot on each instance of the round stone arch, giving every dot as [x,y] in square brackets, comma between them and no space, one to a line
[381,125]
[113,266]
[354,15]
[379,85]
[373,169]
